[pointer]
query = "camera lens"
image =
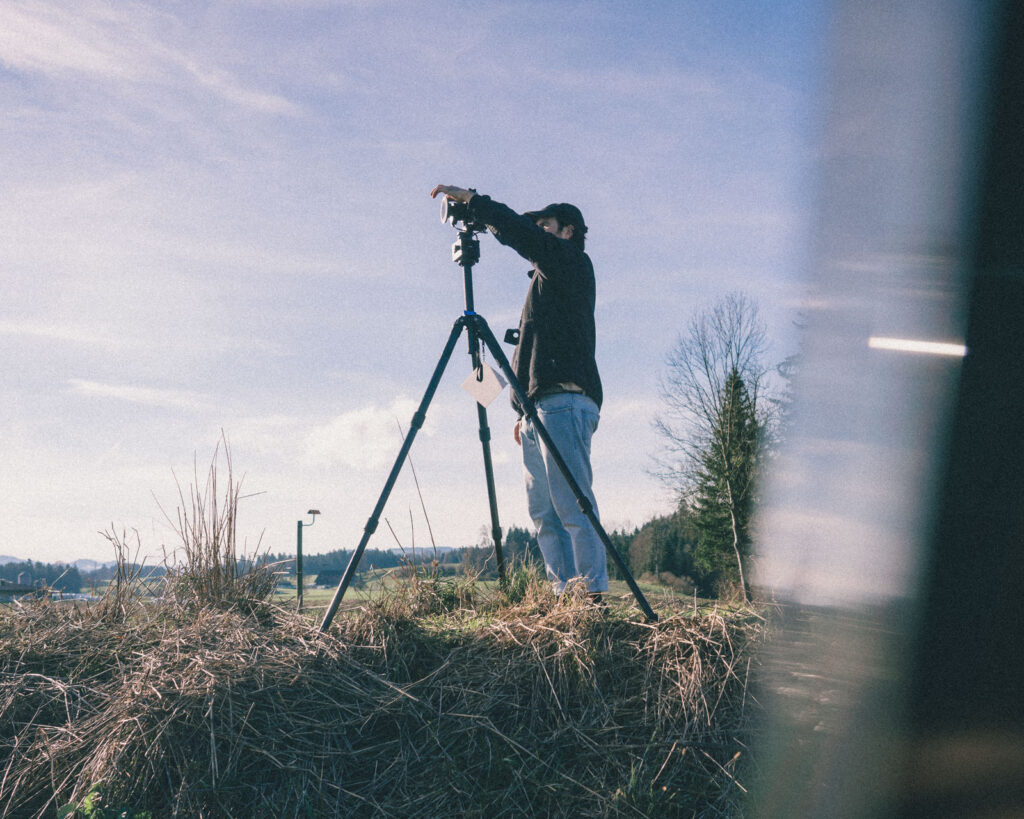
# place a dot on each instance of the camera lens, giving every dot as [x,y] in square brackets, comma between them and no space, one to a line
[450,211]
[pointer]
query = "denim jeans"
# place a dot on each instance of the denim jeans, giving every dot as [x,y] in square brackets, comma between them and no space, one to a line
[568,541]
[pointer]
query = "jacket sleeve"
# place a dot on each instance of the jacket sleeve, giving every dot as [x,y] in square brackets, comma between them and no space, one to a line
[546,252]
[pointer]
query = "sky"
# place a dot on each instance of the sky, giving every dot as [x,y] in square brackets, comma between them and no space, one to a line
[216,226]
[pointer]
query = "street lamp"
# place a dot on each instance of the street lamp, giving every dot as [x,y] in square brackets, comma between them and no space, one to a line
[298,556]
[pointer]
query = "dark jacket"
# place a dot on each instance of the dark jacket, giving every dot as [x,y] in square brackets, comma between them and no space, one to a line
[556,330]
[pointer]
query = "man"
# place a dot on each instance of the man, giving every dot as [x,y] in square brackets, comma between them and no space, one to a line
[554,362]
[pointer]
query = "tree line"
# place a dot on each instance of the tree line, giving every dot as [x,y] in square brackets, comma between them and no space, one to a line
[57,576]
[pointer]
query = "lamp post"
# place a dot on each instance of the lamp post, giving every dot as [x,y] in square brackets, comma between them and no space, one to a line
[298,556]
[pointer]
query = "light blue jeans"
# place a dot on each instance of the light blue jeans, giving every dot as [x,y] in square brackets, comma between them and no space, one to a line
[568,541]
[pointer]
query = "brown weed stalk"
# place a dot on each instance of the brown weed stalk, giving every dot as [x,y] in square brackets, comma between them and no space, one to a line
[204,569]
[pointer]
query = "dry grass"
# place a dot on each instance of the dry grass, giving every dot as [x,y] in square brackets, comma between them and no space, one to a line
[435,699]
[532,710]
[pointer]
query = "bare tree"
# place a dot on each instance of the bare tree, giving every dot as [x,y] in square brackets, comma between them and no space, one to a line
[715,413]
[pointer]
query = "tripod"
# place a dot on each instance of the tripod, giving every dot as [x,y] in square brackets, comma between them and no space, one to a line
[466,253]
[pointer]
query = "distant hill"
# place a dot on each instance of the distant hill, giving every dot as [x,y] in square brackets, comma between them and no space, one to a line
[85,565]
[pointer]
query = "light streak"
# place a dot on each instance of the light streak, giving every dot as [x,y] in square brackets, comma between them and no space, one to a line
[911,345]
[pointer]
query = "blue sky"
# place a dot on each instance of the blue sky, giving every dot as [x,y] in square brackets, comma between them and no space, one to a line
[217,218]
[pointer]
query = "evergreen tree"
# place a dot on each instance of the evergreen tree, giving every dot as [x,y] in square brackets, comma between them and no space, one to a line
[622,540]
[723,497]
[520,546]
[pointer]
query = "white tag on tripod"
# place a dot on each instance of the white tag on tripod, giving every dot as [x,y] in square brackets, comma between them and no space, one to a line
[487,388]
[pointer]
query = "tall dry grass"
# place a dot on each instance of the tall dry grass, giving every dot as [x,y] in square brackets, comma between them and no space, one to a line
[204,567]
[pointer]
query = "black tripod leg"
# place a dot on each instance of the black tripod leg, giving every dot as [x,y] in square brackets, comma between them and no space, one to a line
[584,502]
[374,520]
[485,441]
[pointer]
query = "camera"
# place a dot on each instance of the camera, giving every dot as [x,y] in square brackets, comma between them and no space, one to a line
[453,212]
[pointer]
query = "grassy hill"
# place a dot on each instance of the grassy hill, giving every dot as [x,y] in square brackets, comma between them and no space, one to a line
[437,697]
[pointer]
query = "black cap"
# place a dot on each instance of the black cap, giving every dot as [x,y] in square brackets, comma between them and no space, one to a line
[565,213]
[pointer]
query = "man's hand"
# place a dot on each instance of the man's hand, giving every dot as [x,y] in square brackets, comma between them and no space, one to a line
[457,194]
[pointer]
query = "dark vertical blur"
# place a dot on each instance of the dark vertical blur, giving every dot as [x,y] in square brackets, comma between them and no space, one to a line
[892,534]
[966,700]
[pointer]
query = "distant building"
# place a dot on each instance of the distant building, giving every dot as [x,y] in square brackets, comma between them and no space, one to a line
[8,590]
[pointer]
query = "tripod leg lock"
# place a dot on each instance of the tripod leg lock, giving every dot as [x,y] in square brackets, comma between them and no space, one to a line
[371,526]
[418,419]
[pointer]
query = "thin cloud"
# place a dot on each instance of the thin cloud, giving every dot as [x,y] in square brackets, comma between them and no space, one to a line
[150,396]
[367,438]
[228,88]
[51,40]
[117,45]
[58,332]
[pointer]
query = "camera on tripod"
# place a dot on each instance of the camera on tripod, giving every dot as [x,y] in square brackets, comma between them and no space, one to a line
[453,212]
[466,250]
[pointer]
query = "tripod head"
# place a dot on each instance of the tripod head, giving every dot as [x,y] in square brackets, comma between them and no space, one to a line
[466,250]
